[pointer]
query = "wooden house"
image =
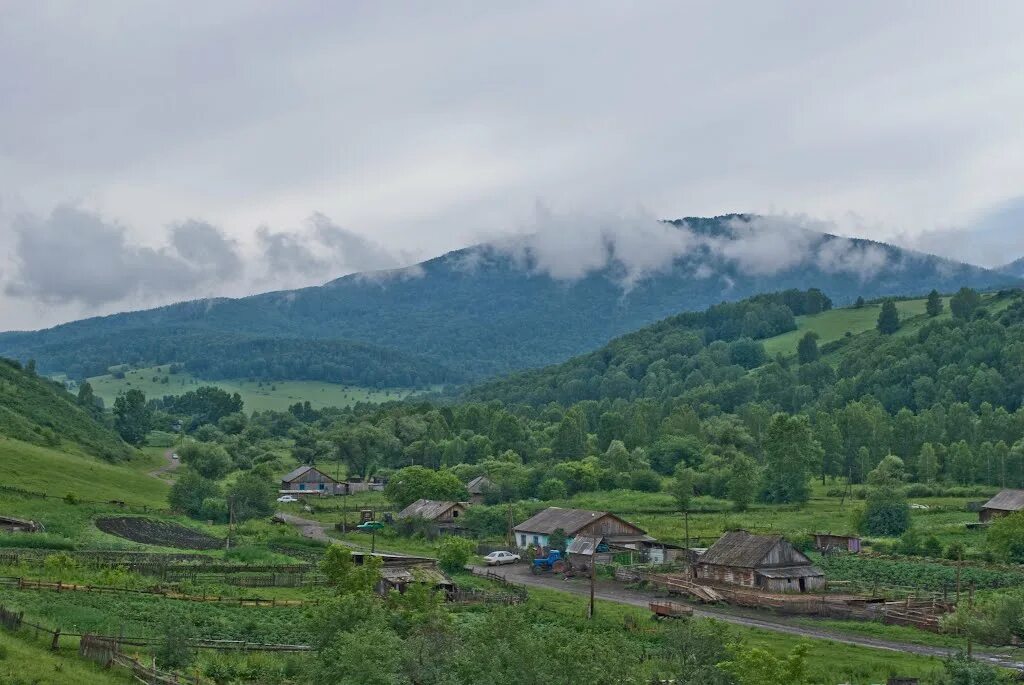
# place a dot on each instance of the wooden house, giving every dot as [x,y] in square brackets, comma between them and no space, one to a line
[826,542]
[478,489]
[767,562]
[1004,503]
[592,535]
[309,480]
[442,514]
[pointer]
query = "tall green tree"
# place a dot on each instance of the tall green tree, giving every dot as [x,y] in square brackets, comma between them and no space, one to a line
[888,318]
[681,487]
[807,349]
[571,437]
[744,481]
[791,456]
[885,510]
[132,418]
[964,304]
[251,496]
[934,305]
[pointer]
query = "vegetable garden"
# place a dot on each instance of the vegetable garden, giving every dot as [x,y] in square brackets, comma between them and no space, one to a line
[155,532]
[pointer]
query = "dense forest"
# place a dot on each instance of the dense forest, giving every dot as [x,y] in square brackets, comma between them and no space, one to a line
[937,408]
[473,313]
[217,355]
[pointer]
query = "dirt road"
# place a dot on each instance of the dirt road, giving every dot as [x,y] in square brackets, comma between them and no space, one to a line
[308,528]
[615,592]
[170,465]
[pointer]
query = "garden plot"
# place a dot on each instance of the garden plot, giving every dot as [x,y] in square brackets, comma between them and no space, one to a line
[155,532]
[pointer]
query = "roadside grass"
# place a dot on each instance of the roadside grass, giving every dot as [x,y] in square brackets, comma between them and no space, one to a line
[829,662]
[257,395]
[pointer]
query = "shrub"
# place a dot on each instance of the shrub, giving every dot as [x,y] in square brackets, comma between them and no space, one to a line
[453,553]
[551,489]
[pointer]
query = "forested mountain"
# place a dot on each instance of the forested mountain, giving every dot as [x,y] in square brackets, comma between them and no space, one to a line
[1014,268]
[484,310]
[40,411]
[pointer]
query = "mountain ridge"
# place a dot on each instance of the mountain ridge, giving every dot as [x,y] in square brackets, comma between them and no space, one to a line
[494,308]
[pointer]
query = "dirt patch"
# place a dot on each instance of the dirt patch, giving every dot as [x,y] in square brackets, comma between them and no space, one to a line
[156,532]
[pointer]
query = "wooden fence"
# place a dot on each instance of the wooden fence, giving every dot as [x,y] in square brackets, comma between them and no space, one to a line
[106,652]
[30,584]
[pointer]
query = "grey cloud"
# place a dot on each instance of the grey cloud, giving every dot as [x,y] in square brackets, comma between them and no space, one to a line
[633,246]
[77,256]
[287,253]
[994,238]
[351,251]
[207,247]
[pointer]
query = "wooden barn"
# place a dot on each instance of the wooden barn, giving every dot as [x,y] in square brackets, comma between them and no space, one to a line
[443,514]
[1004,503]
[767,562]
[827,542]
[478,489]
[309,480]
[593,535]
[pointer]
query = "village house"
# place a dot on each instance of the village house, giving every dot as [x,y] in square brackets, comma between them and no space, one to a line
[478,489]
[767,562]
[444,515]
[1004,503]
[597,535]
[309,480]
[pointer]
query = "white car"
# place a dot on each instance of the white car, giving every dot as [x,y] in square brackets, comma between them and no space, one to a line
[287,498]
[174,456]
[502,557]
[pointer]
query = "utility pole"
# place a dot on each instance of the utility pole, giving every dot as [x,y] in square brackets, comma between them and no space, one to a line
[970,607]
[231,520]
[593,571]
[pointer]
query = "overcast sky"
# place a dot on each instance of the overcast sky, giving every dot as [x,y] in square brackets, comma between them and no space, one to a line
[156,151]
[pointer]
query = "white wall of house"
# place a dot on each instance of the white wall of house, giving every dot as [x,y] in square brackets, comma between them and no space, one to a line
[524,540]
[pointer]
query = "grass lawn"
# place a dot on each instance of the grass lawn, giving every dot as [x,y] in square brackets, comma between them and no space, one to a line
[26,661]
[257,395]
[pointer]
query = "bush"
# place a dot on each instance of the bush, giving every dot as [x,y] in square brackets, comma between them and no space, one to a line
[645,481]
[552,489]
[453,553]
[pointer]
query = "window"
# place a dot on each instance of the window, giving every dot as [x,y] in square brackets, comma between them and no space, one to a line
[522,540]
[302,486]
[321,486]
[536,540]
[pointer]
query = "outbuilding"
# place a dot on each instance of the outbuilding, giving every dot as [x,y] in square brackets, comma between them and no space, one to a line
[440,513]
[478,489]
[768,562]
[828,542]
[1004,503]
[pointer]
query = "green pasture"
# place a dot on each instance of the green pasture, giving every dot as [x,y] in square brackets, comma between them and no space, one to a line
[257,395]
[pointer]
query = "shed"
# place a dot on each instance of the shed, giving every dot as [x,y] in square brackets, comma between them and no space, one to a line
[825,542]
[478,489]
[309,480]
[435,511]
[1004,503]
[768,562]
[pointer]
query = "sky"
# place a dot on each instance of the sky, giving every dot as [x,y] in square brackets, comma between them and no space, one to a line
[160,151]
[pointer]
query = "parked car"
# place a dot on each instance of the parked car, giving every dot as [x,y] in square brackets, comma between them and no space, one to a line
[287,498]
[501,557]
[174,456]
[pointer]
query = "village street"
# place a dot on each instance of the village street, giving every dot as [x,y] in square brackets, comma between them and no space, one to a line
[612,591]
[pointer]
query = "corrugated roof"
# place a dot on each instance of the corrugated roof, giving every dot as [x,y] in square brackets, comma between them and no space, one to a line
[301,471]
[479,485]
[569,520]
[791,572]
[1006,500]
[743,549]
[584,544]
[425,509]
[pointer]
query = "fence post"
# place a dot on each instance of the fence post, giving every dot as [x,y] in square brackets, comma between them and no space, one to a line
[55,645]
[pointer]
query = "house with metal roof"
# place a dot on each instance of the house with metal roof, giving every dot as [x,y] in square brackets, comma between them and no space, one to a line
[591,534]
[309,480]
[1004,503]
[438,512]
[768,562]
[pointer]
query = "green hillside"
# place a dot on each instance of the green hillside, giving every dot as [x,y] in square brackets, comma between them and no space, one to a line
[41,411]
[257,395]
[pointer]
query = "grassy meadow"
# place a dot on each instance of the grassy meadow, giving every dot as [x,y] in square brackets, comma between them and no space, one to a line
[257,395]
